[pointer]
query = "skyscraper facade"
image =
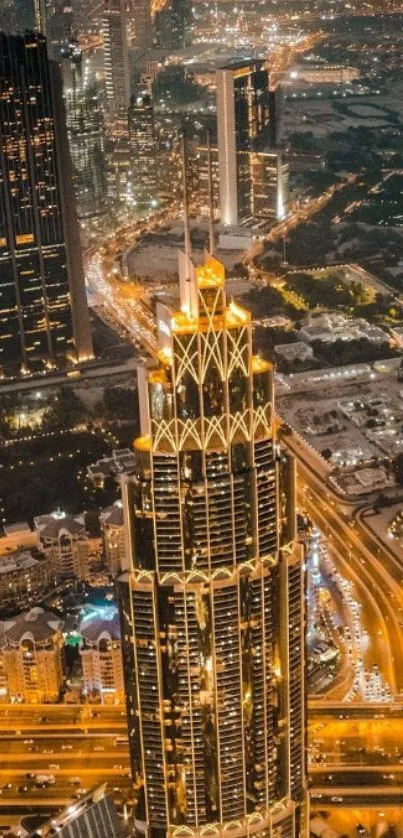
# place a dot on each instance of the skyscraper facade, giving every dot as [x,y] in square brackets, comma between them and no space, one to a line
[143,148]
[242,126]
[94,814]
[116,57]
[43,309]
[270,185]
[142,28]
[85,129]
[212,601]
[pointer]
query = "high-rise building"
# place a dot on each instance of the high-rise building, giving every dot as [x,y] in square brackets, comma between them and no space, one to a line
[113,536]
[93,815]
[171,24]
[116,57]
[64,540]
[270,189]
[101,655]
[33,656]
[43,310]
[85,130]
[242,127]
[212,602]
[143,148]
[139,12]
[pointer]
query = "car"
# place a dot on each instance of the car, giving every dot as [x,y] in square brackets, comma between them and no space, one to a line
[75,781]
[336,799]
[54,766]
[67,747]
[28,741]
[7,786]
[29,775]
[99,748]
[22,789]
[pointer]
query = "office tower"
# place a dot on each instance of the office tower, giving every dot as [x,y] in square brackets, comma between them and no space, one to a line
[143,150]
[270,190]
[140,17]
[101,655]
[276,106]
[43,310]
[33,656]
[85,131]
[242,126]
[116,57]
[171,24]
[93,815]
[212,601]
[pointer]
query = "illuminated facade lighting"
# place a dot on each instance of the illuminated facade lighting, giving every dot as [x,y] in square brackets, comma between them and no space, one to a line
[43,310]
[143,149]
[212,600]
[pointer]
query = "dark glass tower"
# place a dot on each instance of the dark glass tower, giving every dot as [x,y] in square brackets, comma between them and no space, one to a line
[143,149]
[85,130]
[43,309]
[213,599]
[243,110]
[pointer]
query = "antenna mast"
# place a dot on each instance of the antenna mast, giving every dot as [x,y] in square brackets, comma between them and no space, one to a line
[210,195]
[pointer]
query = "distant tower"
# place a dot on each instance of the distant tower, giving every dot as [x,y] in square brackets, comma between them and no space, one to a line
[116,57]
[140,14]
[94,814]
[85,129]
[143,149]
[242,125]
[43,310]
[212,601]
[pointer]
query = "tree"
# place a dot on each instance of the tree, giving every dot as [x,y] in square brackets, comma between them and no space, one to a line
[65,410]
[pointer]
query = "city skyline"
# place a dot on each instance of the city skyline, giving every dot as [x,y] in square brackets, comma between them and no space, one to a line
[201,516]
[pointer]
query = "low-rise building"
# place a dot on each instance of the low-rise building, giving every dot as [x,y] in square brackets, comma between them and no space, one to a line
[120,461]
[328,327]
[25,576]
[292,352]
[111,520]
[33,656]
[63,538]
[101,655]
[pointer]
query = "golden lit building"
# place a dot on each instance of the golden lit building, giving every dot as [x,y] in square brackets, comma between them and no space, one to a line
[33,656]
[64,540]
[113,537]
[213,597]
[101,655]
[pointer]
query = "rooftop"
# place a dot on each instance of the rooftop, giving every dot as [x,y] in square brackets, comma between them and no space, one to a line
[40,624]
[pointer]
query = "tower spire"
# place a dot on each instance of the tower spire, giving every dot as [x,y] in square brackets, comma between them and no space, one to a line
[210,195]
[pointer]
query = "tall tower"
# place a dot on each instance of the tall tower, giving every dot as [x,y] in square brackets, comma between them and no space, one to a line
[143,149]
[140,16]
[242,127]
[116,57]
[43,309]
[212,601]
[85,129]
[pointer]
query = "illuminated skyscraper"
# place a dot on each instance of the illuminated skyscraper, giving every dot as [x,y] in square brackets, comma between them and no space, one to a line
[94,814]
[143,149]
[85,129]
[140,16]
[116,57]
[242,123]
[253,174]
[43,309]
[213,598]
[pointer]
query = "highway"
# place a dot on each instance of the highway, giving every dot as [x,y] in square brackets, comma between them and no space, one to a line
[80,746]
[379,591]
